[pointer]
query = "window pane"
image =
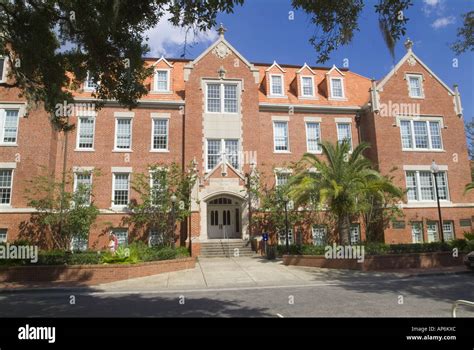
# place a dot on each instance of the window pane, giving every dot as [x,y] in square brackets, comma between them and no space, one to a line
[124,133]
[405,128]
[86,132]
[162,80]
[232,152]
[276,88]
[336,88]
[213,153]
[281,136]
[121,189]
[84,184]
[442,185]
[5,186]
[355,234]
[160,134]
[417,232]
[230,98]
[11,125]
[344,133]
[122,237]
[282,179]
[79,243]
[313,137]
[319,235]
[90,83]
[412,193]
[282,237]
[421,134]
[448,231]
[432,228]
[435,135]
[3,235]
[426,186]
[415,86]
[307,86]
[213,97]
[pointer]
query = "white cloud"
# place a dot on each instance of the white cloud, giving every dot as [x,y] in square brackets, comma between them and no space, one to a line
[168,40]
[430,6]
[431,2]
[443,22]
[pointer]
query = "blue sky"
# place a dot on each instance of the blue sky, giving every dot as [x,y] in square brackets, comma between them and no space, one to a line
[262,31]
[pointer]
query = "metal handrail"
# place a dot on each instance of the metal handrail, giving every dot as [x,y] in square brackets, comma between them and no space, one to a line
[461,302]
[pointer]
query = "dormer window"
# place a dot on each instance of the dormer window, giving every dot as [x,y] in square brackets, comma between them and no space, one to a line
[415,85]
[162,80]
[90,84]
[307,87]
[276,85]
[337,88]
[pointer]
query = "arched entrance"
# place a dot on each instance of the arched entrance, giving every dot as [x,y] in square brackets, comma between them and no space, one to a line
[224,218]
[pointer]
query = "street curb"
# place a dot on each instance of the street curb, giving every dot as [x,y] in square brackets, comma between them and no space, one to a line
[440,273]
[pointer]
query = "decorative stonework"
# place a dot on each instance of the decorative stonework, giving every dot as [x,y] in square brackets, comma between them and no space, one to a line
[221,50]
[411,61]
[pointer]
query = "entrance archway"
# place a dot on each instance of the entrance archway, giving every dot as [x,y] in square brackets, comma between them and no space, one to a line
[224,218]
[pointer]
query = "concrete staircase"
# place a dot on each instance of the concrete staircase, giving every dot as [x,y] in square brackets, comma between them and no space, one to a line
[226,248]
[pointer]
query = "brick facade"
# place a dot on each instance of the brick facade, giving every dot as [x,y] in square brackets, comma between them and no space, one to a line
[40,150]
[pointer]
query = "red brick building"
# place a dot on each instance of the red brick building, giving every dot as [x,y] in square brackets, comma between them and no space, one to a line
[229,115]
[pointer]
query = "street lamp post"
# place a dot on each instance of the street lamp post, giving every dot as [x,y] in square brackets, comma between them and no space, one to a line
[287,203]
[173,199]
[435,171]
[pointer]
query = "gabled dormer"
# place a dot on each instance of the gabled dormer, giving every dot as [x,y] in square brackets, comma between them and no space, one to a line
[275,81]
[162,77]
[306,83]
[335,84]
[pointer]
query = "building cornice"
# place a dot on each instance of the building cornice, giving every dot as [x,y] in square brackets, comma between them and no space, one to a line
[141,103]
[276,107]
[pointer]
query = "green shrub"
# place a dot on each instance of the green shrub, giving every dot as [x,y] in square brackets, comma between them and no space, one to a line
[313,250]
[182,252]
[376,248]
[84,258]
[469,236]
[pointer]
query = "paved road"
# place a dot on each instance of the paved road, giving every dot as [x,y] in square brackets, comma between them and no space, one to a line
[287,292]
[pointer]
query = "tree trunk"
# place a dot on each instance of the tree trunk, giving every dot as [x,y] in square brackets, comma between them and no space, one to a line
[343,227]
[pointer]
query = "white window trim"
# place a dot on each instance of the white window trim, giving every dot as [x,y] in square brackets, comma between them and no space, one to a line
[222,98]
[222,148]
[88,149]
[350,132]
[86,86]
[282,85]
[332,97]
[3,74]
[302,95]
[160,150]
[3,115]
[120,206]
[288,150]
[418,186]
[412,131]
[12,168]
[78,171]
[124,150]
[319,151]
[155,80]
[421,79]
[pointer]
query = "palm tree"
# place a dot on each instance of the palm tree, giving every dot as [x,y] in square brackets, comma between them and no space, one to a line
[342,184]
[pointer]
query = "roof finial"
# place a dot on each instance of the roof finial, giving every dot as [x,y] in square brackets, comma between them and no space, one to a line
[221,30]
[408,44]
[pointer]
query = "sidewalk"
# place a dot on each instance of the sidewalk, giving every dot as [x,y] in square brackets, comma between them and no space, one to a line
[228,273]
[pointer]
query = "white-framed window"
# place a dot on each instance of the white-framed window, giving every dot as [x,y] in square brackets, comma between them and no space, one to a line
[90,84]
[215,154]
[221,98]
[162,80]
[307,86]
[3,235]
[319,235]
[85,131]
[432,231]
[280,136]
[155,238]
[420,185]
[123,134]
[122,236]
[354,233]
[160,134]
[83,181]
[282,178]
[282,237]
[276,85]
[337,87]
[79,243]
[313,137]
[121,189]
[344,132]
[448,230]
[9,119]
[421,134]
[417,232]
[3,69]
[415,85]
[6,179]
